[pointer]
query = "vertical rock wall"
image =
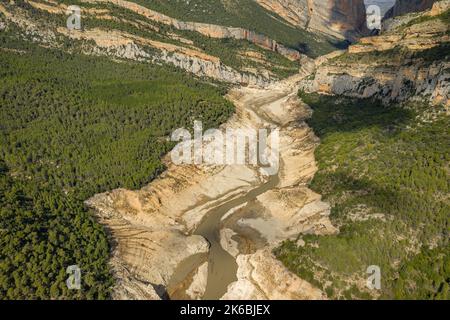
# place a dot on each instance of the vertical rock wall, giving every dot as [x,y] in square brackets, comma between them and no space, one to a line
[402,7]
[344,19]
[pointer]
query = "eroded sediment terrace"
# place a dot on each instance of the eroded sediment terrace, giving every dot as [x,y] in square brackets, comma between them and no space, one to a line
[202,231]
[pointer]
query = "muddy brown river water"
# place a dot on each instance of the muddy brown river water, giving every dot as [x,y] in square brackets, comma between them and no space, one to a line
[222,267]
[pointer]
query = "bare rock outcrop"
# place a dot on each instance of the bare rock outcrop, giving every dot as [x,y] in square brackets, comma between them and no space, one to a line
[152,228]
[337,18]
[124,45]
[394,67]
[197,288]
[346,19]
[296,12]
[128,46]
[439,7]
[210,30]
[262,277]
[402,7]
[405,11]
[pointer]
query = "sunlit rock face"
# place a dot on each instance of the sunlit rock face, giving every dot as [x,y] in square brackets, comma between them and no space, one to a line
[295,12]
[384,5]
[407,6]
[367,70]
[344,19]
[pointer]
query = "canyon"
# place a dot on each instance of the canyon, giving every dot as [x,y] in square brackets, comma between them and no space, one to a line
[210,30]
[340,19]
[208,231]
[392,67]
[402,7]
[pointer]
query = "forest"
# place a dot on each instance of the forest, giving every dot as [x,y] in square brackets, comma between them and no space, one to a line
[248,15]
[385,171]
[72,126]
[229,51]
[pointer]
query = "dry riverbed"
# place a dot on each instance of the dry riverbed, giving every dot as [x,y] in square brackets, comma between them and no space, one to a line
[202,232]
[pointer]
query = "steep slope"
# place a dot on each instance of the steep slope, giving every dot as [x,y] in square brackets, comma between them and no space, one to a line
[340,19]
[71,126]
[128,32]
[381,110]
[262,18]
[86,111]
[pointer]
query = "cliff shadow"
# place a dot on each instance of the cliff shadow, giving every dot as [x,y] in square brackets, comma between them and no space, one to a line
[333,114]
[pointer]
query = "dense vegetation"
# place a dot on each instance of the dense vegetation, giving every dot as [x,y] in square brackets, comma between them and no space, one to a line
[385,170]
[72,126]
[230,51]
[245,14]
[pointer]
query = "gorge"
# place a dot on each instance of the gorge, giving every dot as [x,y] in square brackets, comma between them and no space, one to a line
[88,116]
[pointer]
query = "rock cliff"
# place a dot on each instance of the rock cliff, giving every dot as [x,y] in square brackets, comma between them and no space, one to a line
[127,46]
[124,45]
[210,30]
[262,277]
[341,19]
[402,7]
[153,228]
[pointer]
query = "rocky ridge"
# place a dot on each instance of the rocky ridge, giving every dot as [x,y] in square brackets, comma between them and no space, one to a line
[152,228]
[396,66]
[210,30]
[124,45]
[340,19]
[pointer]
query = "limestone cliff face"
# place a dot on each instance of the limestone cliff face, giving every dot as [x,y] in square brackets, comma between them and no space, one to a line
[402,7]
[295,12]
[338,18]
[384,5]
[210,30]
[156,249]
[394,82]
[262,277]
[124,45]
[403,64]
